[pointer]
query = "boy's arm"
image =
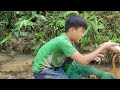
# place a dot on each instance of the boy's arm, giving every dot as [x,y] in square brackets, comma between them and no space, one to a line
[85,59]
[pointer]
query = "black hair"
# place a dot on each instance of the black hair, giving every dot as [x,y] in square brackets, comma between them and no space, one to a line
[75,21]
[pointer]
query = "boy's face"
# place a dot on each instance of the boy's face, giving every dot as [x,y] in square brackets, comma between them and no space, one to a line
[77,34]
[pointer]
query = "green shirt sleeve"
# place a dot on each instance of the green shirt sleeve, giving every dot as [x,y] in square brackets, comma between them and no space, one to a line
[66,47]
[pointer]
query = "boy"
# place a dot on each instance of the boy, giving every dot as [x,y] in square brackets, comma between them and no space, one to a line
[50,57]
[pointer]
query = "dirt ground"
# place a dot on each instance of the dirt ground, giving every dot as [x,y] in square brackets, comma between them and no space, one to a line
[19,67]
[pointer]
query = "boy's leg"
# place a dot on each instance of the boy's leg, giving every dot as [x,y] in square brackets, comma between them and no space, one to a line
[51,73]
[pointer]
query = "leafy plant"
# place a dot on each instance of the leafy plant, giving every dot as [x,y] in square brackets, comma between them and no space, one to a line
[38,27]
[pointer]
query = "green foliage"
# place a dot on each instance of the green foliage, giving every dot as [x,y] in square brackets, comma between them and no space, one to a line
[38,27]
[7,38]
[100,31]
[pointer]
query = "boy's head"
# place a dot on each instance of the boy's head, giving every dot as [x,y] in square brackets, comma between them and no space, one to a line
[75,25]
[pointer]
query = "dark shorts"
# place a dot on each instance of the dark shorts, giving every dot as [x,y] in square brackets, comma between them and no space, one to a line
[51,73]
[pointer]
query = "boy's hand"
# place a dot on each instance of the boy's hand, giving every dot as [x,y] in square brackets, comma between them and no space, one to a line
[98,58]
[108,45]
[115,49]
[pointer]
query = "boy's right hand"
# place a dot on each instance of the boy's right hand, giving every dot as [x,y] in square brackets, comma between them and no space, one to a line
[108,45]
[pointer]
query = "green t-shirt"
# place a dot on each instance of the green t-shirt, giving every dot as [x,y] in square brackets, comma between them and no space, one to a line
[53,53]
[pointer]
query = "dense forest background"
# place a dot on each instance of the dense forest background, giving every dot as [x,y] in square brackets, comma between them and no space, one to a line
[25,32]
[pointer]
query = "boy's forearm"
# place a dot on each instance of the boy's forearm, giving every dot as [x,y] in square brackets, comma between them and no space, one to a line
[89,57]
[85,59]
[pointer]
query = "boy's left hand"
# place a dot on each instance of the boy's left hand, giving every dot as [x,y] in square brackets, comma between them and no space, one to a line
[98,58]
